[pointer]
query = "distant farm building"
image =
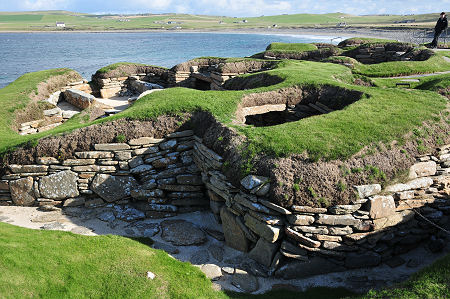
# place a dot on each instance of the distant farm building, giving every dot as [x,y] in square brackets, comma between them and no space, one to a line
[60,24]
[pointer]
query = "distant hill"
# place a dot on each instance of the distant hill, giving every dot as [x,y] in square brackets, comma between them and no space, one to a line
[46,21]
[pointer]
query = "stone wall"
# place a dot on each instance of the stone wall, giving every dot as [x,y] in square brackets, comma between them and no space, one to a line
[158,178]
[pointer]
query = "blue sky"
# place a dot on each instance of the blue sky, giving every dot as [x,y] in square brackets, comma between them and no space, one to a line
[232,7]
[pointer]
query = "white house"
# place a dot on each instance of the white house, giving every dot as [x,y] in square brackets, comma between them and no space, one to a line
[60,24]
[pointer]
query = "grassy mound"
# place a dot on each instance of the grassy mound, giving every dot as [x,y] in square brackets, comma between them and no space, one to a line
[291,47]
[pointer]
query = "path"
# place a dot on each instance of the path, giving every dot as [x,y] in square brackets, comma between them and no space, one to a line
[213,253]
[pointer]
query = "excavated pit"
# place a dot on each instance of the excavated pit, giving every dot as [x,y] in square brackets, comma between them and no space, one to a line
[293,104]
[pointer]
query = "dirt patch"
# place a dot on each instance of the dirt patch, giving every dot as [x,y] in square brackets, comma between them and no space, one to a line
[83,139]
[130,69]
[35,108]
[445,92]
[315,55]
[253,81]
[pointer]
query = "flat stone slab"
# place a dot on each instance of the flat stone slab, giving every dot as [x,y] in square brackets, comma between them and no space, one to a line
[182,233]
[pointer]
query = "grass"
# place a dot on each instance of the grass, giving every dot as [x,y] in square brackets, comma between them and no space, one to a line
[402,68]
[382,115]
[291,47]
[45,21]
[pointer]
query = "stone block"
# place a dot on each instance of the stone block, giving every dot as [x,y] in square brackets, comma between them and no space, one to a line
[78,162]
[381,206]
[337,220]
[60,185]
[47,160]
[422,169]
[234,235]
[28,168]
[343,209]
[300,219]
[268,232]
[22,191]
[263,252]
[367,190]
[252,181]
[79,98]
[290,233]
[189,179]
[395,219]
[113,188]
[94,155]
[74,202]
[419,183]
[362,260]
[308,210]
[111,146]
[4,185]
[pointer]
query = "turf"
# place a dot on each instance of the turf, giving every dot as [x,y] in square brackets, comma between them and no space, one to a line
[291,47]
[383,115]
[403,68]
[45,21]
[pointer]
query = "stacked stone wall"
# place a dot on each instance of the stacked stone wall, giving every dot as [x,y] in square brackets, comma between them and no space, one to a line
[158,178]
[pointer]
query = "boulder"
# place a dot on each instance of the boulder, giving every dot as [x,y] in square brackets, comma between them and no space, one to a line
[252,181]
[422,169]
[367,190]
[60,185]
[301,269]
[182,233]
[268,232]
[112,188]
[263,252]
[22,192]
[381,206]
[234,235]
[79,98]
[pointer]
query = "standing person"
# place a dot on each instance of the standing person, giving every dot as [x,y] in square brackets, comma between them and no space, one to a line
[441,25]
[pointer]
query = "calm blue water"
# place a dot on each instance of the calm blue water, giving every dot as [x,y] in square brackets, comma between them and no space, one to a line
[87,52]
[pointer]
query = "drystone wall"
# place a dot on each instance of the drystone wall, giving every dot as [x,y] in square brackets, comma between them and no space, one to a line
[159,178]
[388,52]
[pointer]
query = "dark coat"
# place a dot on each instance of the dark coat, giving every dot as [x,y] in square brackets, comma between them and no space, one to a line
[441,24]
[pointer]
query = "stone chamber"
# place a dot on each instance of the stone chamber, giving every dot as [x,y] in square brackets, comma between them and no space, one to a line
[179,172]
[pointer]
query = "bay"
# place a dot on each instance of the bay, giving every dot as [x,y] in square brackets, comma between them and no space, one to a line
[87,52]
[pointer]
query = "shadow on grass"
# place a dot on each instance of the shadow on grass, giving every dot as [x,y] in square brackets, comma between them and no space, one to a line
[319,292]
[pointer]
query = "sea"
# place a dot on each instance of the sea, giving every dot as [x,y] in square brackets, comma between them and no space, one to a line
[87,52]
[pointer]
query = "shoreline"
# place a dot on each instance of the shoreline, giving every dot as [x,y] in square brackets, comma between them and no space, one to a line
[406,35]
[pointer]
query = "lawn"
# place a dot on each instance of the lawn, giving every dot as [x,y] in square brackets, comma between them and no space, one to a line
[382,115]
[53,264]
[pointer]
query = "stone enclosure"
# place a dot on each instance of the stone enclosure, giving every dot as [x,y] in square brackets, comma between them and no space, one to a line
[159,178]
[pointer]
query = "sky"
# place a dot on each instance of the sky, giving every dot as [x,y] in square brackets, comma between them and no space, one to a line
[236,8]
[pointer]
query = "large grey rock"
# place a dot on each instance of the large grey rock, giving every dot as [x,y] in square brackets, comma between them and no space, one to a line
[22,192]
[253,181]
[211,271]
[234,235]
[245,281]
[302,269]
[79,98]
[419,183]
[268,232]
[362,260]
[263,252]
[381,206]
[60,185]
[112,188]
[337,220]
[422,169]
[182,233]
[367,190]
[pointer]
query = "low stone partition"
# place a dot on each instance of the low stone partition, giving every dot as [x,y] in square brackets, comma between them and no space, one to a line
[378,53]
[78,98]
[157,178]
[301,241]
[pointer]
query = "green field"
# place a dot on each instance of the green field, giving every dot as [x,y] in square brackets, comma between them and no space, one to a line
[37,21]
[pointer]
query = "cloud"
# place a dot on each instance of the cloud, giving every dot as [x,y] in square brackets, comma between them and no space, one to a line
[44,4]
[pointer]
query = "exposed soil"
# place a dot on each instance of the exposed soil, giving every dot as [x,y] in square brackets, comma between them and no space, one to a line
[315,55]
[35,109]
[251,82]
[83,139]
[130,69]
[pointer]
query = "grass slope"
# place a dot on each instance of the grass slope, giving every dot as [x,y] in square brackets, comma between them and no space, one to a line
[47,264]
[383,115]
[45,20]
[53,264]
[291,47]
